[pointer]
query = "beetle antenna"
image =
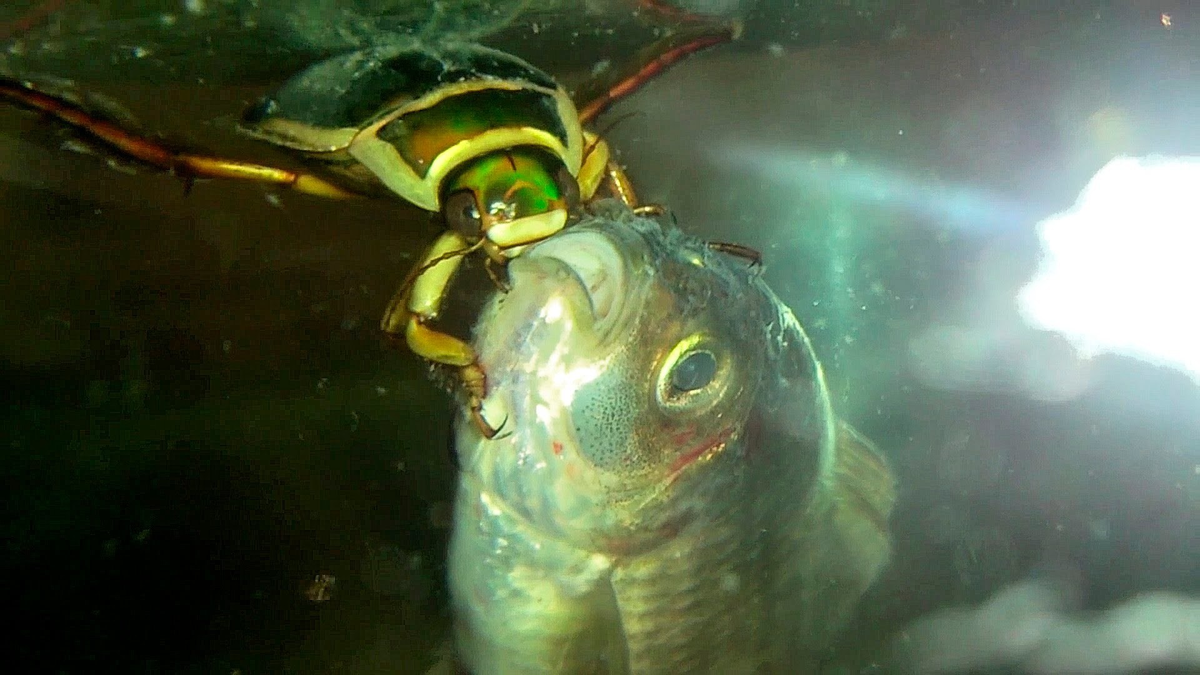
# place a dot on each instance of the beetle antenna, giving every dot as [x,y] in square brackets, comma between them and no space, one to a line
[613,124]
[604,132]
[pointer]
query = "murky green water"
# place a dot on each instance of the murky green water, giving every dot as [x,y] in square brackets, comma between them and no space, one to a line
[201,419]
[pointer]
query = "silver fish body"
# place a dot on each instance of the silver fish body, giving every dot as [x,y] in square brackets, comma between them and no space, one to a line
[670,491]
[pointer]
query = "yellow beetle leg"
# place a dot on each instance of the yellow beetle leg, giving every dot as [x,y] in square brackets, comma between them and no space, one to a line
[132,146]
[618,183]
[433,273]
[448,248]
[470,376]
[598,167]
[621,186]
[442,348]
[190,167]
[419,300]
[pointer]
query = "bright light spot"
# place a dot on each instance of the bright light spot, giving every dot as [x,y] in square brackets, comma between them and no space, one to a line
[568,381]
[490,504]
[1035,626]
[555,368]
[543,414]
[553,311]
[860,180]
[1121,269]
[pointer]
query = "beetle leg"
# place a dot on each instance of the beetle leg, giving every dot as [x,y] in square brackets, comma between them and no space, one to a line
[598,168]
[622,188]
[661,9]
[750,255]
[491,266]
[441,260]
[419,299]
[155,154]
[594,168]
[418,302]
[620,185]
[440,347]
[653,210]
[656,59]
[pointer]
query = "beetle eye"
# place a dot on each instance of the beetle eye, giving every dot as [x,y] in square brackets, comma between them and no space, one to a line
[694,371]
[568,187]
[462,214]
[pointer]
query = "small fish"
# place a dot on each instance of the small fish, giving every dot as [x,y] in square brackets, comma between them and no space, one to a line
[670,490]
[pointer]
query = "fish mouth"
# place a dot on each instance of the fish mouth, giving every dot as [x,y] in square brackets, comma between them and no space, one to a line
[588,261]
[569,302]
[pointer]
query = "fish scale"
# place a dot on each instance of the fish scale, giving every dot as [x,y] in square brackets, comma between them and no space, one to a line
[679,610]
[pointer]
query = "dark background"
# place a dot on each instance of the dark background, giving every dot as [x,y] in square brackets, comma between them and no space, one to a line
[199,415]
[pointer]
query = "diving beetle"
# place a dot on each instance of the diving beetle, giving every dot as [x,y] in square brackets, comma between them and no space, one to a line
[492,143]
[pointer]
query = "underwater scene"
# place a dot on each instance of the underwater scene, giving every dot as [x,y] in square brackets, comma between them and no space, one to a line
[600,336]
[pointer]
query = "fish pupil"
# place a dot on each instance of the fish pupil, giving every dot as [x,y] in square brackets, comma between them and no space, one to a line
[694,371]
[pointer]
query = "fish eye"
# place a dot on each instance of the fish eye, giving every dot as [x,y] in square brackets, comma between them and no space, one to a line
[693,375]
[694,371]
[462,214]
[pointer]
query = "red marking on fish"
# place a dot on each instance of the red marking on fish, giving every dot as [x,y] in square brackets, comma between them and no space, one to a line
[681,437]
[692,455]
[557,445]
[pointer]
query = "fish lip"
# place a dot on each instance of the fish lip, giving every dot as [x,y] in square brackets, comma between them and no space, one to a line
[593,262]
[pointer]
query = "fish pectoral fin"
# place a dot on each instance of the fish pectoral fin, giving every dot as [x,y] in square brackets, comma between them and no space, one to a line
[865,496]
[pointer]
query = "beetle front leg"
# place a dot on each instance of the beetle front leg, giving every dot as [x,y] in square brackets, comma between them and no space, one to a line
[418,302]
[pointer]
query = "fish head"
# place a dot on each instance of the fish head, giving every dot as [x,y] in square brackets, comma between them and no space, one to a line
[636,374]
